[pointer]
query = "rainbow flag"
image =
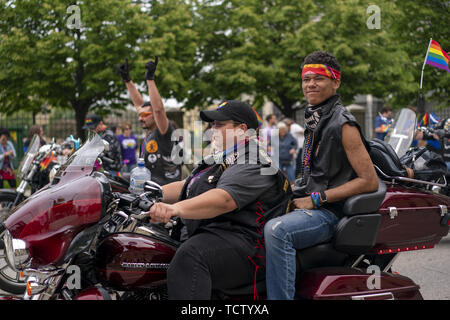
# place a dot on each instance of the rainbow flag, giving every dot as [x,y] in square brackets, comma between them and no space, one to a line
[436,56]
[425,119]
[429,118]
[260,122]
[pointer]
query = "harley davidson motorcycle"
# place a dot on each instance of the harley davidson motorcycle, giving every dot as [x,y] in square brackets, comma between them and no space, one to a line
[79,239]
[37,168]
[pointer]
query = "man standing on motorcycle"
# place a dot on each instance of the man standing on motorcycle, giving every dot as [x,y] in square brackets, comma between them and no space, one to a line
[113,158]
[335,166]
[157,146]
[224,204]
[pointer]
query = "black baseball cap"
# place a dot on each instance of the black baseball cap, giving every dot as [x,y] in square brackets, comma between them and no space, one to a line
[92,121]
[235,110]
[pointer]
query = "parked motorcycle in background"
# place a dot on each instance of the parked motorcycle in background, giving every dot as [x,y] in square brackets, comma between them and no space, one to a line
[36,170]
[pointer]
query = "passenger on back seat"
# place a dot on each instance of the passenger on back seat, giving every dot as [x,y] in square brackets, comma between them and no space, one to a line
[335,166]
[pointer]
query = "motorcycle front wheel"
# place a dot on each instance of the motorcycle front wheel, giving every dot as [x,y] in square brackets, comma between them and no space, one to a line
[11,281]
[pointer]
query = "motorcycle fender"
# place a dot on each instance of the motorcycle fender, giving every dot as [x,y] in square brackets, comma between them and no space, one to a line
[93,293]
[345,283]
[10,191]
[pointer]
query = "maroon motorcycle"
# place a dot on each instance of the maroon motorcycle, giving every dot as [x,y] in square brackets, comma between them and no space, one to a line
[79,239]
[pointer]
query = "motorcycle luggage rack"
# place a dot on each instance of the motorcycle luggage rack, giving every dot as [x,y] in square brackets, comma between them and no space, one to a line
[404,179]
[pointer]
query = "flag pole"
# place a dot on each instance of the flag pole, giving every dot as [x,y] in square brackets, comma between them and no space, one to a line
[424,62]
[420,99]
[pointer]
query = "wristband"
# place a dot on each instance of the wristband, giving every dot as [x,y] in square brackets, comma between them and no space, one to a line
[315,196]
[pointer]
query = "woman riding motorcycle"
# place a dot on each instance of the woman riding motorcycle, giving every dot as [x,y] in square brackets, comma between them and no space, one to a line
[223,205]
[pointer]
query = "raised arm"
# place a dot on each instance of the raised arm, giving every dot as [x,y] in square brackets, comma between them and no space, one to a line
[135,96]
[159,114]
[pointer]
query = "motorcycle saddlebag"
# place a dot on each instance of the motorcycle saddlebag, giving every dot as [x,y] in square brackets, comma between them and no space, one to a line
[343,283]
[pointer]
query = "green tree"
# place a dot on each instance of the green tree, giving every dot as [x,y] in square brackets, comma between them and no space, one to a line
[257,46]
[414,24]
[45,60]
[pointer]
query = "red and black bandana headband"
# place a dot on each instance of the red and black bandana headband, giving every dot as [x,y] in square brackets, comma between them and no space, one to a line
[321,69]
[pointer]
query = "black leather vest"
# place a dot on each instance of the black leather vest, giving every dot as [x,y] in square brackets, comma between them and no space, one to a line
[249,221]
[330,167]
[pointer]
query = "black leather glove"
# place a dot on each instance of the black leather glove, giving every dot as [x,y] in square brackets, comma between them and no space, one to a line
[151,68]
[124,71]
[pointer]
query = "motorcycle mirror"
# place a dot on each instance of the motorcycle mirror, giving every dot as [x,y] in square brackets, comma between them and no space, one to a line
[106,144]
[153,184]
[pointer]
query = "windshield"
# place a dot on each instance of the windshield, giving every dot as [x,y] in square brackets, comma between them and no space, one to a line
[82,162]
[402,135]
[32,150]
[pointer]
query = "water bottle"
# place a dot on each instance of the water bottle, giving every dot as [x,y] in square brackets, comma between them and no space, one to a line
[138,176]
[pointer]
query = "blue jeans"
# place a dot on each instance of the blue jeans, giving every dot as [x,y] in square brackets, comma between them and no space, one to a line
[290,170]
[283,235]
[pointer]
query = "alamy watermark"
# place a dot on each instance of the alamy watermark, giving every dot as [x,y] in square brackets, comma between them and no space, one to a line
[190,150]
[374,20]
[374,281]
[74,20]
[74,279]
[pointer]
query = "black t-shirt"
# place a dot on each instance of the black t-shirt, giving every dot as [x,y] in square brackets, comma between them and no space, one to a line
[157,153]
[254,191]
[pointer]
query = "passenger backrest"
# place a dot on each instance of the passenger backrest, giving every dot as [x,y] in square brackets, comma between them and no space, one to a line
[385,158]
[365,202]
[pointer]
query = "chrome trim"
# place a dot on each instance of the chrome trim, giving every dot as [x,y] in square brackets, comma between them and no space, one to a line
[393,212]
[443,209]
[375,295]
[411,180]
[17,254]
[358,260]
[390,263]
[22,187]
[45,279]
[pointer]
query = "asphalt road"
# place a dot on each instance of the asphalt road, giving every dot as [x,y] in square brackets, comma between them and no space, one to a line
[429,268]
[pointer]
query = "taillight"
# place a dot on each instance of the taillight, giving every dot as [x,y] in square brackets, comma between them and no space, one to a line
[395,250]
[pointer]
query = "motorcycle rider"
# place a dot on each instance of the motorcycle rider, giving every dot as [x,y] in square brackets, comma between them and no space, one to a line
[335,166]
[157,146]
[113,160]
[224,206]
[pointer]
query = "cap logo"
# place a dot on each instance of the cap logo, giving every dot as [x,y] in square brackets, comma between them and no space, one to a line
[222,104]
[88,121]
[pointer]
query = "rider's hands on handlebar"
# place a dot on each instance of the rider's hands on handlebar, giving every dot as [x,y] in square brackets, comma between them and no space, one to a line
[151,68]
[124,71]
[162,212]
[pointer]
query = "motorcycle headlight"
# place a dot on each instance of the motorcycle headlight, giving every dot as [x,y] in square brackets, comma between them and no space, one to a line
[17,254]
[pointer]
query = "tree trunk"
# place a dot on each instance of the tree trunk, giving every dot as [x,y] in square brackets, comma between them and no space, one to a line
[81,111]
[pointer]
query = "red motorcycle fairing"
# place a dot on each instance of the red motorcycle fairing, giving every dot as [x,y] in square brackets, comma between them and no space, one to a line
[414,224]
[49,220]
[127,261]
